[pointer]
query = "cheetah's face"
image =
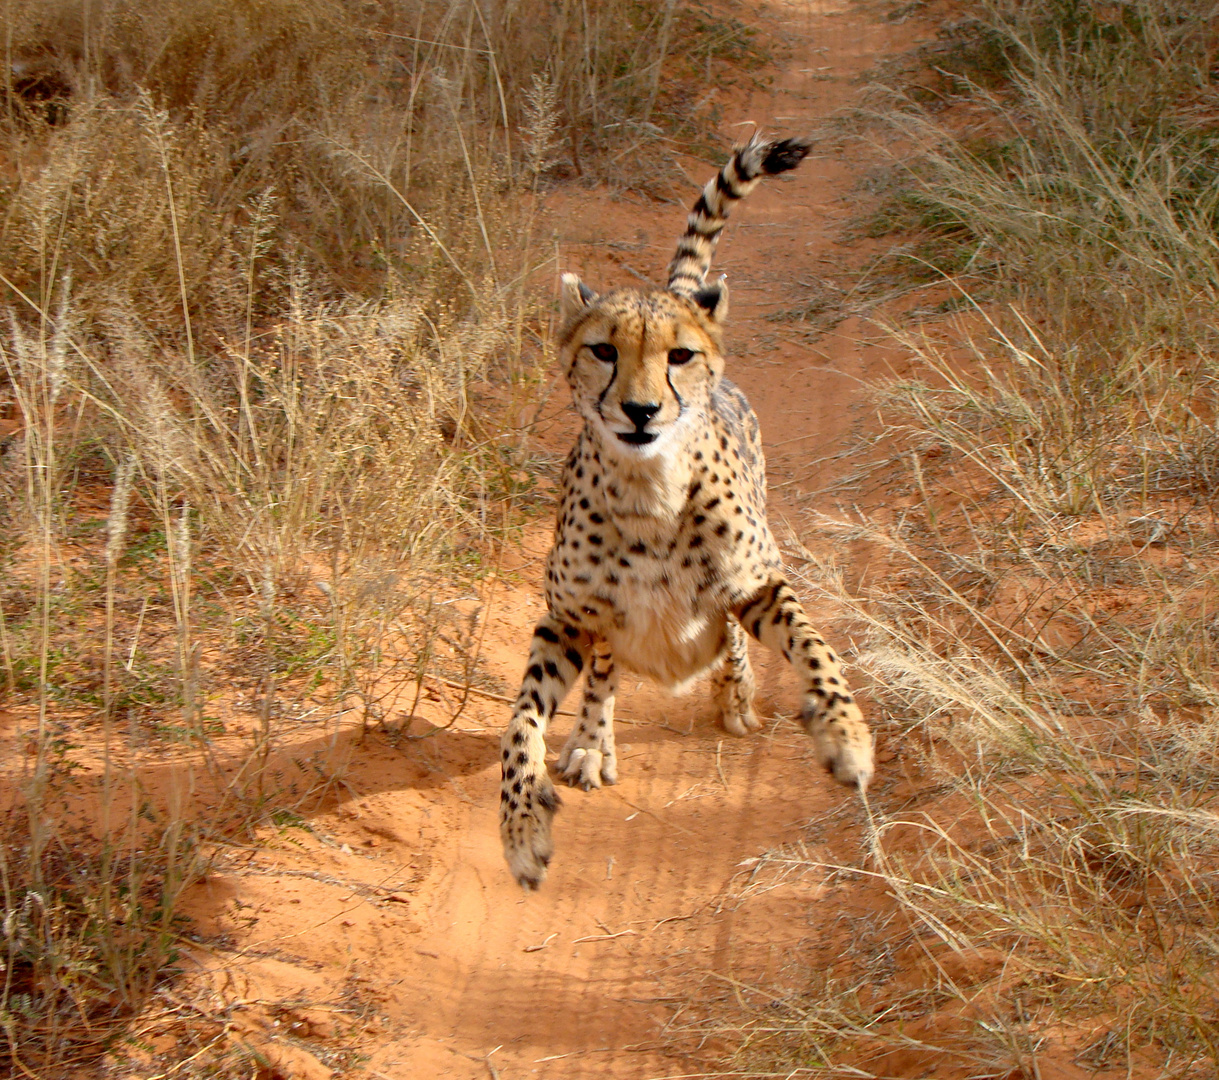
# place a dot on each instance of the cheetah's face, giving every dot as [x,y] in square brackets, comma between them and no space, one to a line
[641,365]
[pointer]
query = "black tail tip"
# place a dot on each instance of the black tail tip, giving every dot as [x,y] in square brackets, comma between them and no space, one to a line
[785,154]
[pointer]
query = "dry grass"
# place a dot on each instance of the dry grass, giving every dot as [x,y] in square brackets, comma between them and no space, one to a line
[268,307]
[1043,644]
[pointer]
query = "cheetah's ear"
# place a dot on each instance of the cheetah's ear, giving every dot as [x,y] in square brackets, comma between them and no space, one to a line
[574,297]
[713,299]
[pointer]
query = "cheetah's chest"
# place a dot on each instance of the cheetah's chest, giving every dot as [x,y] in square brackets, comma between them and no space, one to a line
[658,622]
[661,600]
[669,619]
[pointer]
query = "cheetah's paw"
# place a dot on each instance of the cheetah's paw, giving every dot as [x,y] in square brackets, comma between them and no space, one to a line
[588,766]
[842,741]
[525,821]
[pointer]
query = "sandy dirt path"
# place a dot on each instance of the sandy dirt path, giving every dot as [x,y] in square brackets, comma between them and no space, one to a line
[387,921]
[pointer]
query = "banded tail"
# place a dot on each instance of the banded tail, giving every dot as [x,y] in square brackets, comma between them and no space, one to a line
[749,163]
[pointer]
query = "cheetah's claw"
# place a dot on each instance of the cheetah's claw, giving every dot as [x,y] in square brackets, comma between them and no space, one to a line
[588,766]
[741,723]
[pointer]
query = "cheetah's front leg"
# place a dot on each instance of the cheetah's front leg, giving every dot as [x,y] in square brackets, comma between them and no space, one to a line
[527,799]
[588,757]
[830,713]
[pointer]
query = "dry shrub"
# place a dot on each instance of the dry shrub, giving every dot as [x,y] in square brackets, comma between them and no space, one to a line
[279,95]
[1084,184]
[1078,832]
[88,928]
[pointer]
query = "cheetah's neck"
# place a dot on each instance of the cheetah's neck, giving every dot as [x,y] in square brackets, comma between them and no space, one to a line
[645,496]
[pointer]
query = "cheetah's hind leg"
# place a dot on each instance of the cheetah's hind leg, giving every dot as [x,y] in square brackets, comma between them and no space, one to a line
[588,757]
[734,684]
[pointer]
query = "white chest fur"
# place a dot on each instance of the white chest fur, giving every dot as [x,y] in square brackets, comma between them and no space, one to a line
[661,627]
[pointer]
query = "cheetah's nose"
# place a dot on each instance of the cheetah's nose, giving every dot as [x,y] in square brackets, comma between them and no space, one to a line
[638,414]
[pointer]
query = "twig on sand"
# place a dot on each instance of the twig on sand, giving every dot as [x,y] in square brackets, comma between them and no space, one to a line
[539,948]
[602,937]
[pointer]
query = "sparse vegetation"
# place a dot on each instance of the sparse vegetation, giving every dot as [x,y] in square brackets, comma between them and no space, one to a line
[1046,628]
[266,286]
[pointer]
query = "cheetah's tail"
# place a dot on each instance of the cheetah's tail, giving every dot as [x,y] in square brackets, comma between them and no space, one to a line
[749,163]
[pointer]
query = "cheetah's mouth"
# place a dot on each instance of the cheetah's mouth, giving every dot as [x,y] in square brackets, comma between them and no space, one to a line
[636,438]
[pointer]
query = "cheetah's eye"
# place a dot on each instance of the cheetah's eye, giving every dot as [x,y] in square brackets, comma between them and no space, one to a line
[604,351]
[680,356]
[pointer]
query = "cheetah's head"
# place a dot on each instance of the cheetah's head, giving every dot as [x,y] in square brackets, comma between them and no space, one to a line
[641,365]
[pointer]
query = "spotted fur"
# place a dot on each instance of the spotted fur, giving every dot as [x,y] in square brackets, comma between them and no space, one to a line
[663,560]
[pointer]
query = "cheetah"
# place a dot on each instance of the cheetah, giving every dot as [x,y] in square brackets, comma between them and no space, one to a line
[663,559]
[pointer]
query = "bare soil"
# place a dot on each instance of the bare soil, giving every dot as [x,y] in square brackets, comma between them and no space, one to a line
[383,931]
